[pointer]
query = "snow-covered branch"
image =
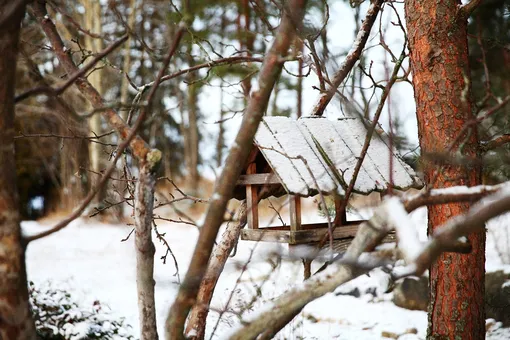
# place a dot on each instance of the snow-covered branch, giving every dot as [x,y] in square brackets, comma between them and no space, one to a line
[450,195]
[385,219]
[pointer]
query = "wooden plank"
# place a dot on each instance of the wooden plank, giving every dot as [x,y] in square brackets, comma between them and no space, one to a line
[259,179]
[280,236]
[252,202]
[309,226]
[340,246]
[298,237]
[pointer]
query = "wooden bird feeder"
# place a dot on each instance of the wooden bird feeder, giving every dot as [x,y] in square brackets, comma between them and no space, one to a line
[310,156]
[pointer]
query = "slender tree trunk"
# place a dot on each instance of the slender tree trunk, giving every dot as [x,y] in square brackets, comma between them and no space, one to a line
[439,62]
[93,23]
[15,317]
[197,320]
[192,165]
[144,201]
[220,143]
[184,126]
[148,161]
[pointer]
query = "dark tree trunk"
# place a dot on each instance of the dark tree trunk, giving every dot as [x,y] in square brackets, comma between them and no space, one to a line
[15,317]
[439,61]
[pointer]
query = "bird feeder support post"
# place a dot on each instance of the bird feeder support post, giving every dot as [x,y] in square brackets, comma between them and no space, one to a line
[252,202]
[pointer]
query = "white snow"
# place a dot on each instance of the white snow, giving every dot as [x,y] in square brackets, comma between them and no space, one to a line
[91,259]
[287,132]
[407,233]
[279,161]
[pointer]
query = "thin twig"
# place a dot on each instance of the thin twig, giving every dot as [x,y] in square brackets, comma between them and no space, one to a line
[70,81]
[351,59]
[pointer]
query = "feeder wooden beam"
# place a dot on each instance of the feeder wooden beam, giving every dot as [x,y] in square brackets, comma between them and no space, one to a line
[252,201]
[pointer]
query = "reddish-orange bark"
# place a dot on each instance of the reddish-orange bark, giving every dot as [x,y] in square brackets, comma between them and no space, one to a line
[439,61]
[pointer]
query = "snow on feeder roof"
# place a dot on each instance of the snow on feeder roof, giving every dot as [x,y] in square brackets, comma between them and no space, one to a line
[316,154]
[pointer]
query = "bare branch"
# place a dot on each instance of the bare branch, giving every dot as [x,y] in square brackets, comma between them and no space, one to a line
[368,137]
[450,195]
[138,146]
[92,139]
[58,90]
[77,212]
[495,143]
[462,225]
[468,8]
[351,58]
[213,63]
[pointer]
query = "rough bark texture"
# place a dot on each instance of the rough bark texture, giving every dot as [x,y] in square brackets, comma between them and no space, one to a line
[439,61]
[198,316]
[144,200]
[225,184]
[15,317]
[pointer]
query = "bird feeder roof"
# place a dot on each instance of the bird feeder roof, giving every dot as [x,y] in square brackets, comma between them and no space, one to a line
[316,154]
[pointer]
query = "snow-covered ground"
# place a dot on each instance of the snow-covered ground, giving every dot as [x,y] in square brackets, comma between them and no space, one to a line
[91,260]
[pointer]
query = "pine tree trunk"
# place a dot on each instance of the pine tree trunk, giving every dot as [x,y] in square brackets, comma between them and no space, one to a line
[439,61]
[15,318]
[93,23]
